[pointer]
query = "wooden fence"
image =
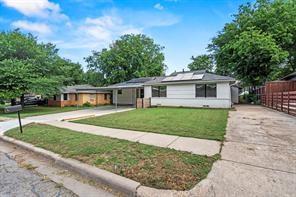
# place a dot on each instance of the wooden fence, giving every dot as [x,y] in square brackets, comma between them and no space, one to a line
[279,95]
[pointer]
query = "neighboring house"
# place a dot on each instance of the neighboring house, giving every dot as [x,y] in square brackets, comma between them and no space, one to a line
[80,94]
[290,77]
[187,89]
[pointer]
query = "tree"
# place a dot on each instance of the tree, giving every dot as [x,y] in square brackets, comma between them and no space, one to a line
[274,19]
[72,72]
[129,57]
[255,57]
[201,62]
[27,66]
[94,78]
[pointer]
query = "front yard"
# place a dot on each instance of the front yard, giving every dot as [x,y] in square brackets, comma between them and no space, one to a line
[38,110]
[151,166]
[187,122]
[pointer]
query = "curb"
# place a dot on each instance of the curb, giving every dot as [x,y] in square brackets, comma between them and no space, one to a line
[78,118]
[119,183]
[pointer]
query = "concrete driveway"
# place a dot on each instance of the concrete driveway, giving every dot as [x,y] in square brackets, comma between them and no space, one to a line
[258,156]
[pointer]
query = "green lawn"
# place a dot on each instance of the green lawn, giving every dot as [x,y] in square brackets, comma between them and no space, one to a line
[151,166]
[187,122]
[38,110]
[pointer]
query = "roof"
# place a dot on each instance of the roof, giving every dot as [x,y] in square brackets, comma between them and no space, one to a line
[186,76]
[189,76]
[290,77]
[83,89]
[133,83]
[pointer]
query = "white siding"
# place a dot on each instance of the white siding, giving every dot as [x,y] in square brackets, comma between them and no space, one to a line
[184,95]
[128,97]
[196,102]
[223,91]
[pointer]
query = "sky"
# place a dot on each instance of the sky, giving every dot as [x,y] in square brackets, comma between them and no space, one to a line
[78,27]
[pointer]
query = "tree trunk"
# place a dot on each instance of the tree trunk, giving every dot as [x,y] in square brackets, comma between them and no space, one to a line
[13,101]
[23,100]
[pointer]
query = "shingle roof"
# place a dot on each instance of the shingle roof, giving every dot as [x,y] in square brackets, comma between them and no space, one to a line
[82,89]
[214,77]
[198,75]
[136,82]
[290,77]
[73,89]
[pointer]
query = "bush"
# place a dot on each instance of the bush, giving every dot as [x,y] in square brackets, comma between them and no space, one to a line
[87,104]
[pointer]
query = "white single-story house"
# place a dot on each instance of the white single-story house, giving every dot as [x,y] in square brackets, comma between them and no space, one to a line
[186,89]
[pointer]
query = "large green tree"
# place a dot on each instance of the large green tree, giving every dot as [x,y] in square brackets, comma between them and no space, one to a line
[27,66]
[201,62]
[129,57]
[275,20]
[72,72]
[256,58]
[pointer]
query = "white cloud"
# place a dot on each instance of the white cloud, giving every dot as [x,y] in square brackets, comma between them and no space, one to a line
[39,28]
[36,8]
[158,6]
[102,30]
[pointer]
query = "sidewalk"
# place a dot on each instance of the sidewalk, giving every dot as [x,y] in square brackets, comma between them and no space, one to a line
[194,145]
[13,123]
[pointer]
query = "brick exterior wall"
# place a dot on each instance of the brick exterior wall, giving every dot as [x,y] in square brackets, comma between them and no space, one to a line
[143,103]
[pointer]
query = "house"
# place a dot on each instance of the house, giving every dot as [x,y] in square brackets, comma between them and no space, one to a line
[80,94]
[290,77]
[187,89]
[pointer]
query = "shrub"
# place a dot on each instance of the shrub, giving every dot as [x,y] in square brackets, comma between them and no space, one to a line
[87,104]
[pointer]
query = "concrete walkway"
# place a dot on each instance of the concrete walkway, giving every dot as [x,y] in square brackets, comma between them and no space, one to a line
[258,157]
[194,145]
[99,111]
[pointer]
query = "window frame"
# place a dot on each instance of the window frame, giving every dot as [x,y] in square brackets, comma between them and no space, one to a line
[159,91]
[65,95]
[205,89]
[119,91]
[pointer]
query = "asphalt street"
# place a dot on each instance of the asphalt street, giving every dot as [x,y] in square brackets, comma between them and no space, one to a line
[19,181]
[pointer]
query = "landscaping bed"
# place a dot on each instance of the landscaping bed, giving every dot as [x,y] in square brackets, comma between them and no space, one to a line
[156,167]
[38,110]
[186,122]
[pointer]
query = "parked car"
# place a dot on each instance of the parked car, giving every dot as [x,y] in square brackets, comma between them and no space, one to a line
[32,100]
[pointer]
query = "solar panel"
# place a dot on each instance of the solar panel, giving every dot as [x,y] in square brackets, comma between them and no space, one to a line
[199,76]
[184,77]
[187,76]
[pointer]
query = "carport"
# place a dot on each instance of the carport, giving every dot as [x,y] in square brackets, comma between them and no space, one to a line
[126,93]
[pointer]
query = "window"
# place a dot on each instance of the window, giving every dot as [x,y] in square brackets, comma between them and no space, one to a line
[119,91]
[159,91]
[200,90]
[65,97]
[76,97]
[206,90]
[105,96]
[55,97]
[211,90]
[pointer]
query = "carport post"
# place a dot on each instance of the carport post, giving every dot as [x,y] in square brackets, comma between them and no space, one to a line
[116,92]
